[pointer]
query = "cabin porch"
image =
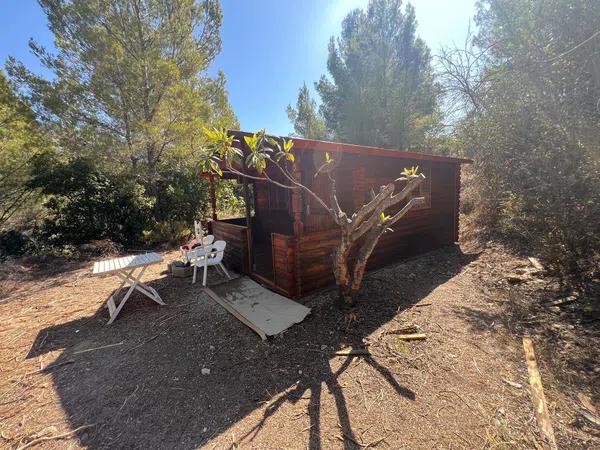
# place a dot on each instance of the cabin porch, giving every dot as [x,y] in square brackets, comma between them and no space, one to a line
[270,259]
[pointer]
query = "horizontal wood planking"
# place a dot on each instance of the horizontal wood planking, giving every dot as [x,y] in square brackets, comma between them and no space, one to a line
[236,251]
[303,263]
[284,263]
[420,231]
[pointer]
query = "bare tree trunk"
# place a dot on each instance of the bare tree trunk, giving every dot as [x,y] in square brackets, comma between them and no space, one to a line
[349,272]
[342,271]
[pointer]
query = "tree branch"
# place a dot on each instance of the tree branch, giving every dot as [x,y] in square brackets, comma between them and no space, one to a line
[387,202]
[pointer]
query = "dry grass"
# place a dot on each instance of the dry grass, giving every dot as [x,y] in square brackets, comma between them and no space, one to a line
[141,386]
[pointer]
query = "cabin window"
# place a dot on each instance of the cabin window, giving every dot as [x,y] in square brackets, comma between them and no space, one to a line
[279,198]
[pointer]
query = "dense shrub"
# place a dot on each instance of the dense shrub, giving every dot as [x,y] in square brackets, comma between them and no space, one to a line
[182,196]
[530,88]
[536,188]
[172,232]
[84,204]
[14,243]
[230,199]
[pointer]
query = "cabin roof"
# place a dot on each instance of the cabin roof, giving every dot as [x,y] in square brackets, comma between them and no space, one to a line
[339,147]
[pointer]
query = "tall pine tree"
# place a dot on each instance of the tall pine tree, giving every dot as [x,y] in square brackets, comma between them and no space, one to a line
[305,117]
[382,90]
[130,83]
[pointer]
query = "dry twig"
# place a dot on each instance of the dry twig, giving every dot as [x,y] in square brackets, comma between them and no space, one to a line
[58,436]
[52,366]
[98,348]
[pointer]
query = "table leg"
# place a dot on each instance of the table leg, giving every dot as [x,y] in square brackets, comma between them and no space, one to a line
[127,278]
[135,284]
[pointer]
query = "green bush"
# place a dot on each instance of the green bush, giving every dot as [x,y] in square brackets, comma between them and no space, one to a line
[181,196]
[85,204]
[14,243]
[528,83]
[168,232]
[535,184]
[230,199]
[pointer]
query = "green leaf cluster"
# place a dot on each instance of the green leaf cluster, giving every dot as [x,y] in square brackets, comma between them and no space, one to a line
[130,94]
[223,151]
[130,87]
[21,139]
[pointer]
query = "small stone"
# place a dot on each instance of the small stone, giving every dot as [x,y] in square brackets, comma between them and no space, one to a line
[323,347]
[299,372]
[205,371]
[204,430]
[212,347]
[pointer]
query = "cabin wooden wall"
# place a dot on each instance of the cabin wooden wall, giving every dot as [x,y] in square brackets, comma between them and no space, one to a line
[284,263]
[302,255]
[419,231]
[236,251]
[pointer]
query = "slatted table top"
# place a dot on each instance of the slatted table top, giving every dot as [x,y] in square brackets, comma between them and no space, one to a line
[125,263]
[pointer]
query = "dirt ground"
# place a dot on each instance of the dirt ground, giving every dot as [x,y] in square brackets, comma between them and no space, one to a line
[69,381]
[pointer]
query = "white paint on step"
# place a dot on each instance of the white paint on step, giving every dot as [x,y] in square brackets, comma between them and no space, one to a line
[271,313]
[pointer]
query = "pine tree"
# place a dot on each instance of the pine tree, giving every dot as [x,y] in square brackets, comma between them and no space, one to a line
[308,123]
[382,90]
[130,83]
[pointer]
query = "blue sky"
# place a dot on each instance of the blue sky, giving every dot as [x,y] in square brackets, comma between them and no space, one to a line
[270,47]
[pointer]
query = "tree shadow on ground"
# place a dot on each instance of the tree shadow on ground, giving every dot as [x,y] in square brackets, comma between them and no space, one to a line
[144,387]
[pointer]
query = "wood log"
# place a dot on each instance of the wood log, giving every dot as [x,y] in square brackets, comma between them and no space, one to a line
[351,352]
[412,336]
[537,396]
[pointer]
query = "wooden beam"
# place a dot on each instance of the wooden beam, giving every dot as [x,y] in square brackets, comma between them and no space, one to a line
[213,196]
[338,147]
[456,202]
[537,396]
[248,216]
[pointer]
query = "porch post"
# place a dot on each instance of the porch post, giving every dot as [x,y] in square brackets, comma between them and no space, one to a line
[297,205]
[248,218]
[213,197]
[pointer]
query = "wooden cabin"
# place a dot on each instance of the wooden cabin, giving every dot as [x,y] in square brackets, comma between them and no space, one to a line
[292,237]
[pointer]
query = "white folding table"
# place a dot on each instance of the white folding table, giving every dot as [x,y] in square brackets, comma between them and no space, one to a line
[129,269]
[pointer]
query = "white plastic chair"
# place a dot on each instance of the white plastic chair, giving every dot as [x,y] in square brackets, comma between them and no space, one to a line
[206,241]
[198,229]
[208,256]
